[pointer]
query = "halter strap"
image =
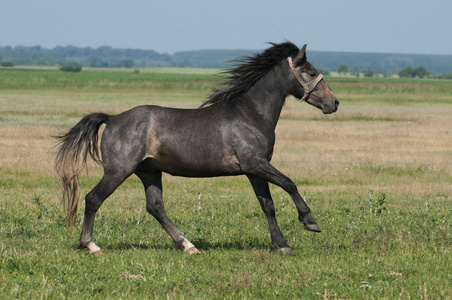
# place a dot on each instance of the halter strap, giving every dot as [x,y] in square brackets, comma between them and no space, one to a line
[307,86]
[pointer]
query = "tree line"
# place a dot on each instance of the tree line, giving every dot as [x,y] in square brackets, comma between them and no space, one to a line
[407,72]
[109,57]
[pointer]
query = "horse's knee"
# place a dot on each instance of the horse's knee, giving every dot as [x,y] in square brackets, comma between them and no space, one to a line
[291,187]
[155,208]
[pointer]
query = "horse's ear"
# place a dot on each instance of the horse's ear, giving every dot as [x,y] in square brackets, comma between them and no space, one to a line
[301,57]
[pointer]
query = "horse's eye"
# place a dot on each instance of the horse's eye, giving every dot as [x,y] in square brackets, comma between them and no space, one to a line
[312,74]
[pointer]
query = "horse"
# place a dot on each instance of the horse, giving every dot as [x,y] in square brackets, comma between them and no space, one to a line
[231,133]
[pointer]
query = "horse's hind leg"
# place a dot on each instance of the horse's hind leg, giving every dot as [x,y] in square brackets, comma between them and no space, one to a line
[93,201]
[262,191]
[154,205]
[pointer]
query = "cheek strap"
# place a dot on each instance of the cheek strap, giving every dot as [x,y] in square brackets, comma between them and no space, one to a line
[307,86]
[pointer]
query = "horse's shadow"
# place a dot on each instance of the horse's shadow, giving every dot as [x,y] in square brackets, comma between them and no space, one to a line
[201,244]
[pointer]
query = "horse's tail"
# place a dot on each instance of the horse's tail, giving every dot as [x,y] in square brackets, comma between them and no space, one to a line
[73,149]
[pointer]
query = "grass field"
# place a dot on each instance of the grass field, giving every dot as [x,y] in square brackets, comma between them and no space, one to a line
[377,175]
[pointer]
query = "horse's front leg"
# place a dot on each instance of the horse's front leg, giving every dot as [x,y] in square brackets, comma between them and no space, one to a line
[265,170]
[262,191]
[154,205]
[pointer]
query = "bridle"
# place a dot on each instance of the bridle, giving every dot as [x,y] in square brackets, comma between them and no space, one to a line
[307,86]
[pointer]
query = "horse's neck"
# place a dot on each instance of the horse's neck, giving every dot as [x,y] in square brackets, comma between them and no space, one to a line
[266,98]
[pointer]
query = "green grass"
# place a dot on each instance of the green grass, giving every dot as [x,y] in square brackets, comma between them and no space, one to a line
[379,240]
[160,79]
[360,254]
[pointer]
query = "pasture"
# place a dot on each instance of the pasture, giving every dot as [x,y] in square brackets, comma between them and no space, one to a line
[377,175]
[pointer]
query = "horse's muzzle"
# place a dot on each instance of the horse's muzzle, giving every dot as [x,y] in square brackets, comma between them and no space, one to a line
[329,109]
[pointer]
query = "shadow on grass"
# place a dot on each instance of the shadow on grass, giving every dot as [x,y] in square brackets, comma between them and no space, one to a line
[201,244]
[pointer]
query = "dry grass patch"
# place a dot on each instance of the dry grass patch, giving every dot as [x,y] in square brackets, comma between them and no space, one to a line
[410,154]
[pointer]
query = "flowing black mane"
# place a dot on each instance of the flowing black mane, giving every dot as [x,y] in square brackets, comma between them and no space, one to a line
[248,71]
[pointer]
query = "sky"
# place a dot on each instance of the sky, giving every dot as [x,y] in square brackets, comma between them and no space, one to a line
[168,26]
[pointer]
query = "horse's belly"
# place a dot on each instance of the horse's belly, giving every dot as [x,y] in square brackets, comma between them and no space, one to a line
[196,166]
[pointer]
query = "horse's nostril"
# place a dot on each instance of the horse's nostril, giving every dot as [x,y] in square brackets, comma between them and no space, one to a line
[336,102]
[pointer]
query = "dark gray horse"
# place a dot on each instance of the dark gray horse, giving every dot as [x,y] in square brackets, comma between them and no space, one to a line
[232,133]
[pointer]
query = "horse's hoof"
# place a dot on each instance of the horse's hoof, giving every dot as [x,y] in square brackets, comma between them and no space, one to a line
[192,250]
[92,247]
[312,227]
[285,251]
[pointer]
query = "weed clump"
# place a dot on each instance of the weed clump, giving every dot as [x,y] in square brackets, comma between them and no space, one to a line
[374,206]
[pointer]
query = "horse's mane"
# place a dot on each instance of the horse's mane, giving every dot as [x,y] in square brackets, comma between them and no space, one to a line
[248,71]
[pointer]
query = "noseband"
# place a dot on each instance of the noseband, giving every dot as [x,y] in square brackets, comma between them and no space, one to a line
[307,86]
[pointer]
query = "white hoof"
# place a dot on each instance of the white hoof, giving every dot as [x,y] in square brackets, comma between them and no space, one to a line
[285,251]
[93,248]
[192,250]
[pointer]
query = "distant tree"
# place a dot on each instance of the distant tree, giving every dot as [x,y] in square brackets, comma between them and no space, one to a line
[409,72]
[406,72]
[104,51]
[342,69]
[421,72]
[6,64]
[369,73]
[127,63]
[98,63]
[445,76]
[73,69]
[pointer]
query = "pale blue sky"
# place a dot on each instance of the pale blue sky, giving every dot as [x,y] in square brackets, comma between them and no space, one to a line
[168,26]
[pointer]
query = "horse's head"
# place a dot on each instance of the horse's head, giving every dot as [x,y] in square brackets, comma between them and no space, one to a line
[309,86]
